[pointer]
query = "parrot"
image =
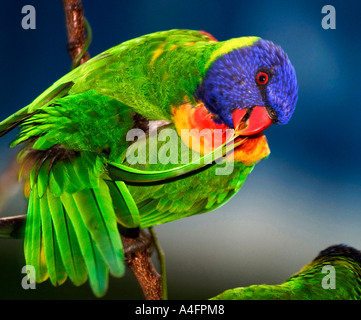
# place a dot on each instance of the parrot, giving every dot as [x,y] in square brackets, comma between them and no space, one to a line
[333,275]
[81,160]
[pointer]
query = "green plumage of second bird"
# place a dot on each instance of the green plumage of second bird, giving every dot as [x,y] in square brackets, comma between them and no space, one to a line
[310,283]
[74,206]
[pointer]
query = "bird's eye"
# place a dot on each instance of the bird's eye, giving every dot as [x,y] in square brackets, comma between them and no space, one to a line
[262,78]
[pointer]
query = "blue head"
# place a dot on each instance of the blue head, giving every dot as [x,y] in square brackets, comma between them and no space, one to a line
[259,75]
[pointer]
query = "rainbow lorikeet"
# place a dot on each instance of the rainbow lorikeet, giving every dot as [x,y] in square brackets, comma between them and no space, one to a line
[333,275]
[80,182]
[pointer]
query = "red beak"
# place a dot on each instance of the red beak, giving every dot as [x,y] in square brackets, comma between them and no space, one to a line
[258,121]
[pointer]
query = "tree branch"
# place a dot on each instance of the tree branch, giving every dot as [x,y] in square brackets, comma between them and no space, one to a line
[75,26]
[141,265]
[12,227]
[9,182]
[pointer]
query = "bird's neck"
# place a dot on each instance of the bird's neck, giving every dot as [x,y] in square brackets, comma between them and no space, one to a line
[202,133]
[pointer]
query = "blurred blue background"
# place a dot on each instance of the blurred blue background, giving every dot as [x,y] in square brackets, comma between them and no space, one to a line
[305,197]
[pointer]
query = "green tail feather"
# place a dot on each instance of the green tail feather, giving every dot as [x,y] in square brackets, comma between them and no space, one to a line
[94,263]
[34,246]
[67,241]
[72,228]
[56,270]
[100,282]
[124,205]
[102,225]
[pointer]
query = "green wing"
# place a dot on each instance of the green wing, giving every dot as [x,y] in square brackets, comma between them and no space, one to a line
[71,225]
[124,73]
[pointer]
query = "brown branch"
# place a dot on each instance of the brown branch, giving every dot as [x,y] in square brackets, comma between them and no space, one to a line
[75,26]
[141,265]
[9,182]
[12,227]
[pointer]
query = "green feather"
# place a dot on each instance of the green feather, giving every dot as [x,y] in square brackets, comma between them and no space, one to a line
[101,224]
[124,205]
[43,143]
[102,275]
[29,231]
[94,262]
[54,186]
[55,267]
[142,177]
[72,183]
[67,241]
[42,179]
[34,246]
[59,177]
[81,169]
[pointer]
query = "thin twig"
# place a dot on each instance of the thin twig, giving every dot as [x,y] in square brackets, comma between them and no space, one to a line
[75,26]
[84,50]
[161,257]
